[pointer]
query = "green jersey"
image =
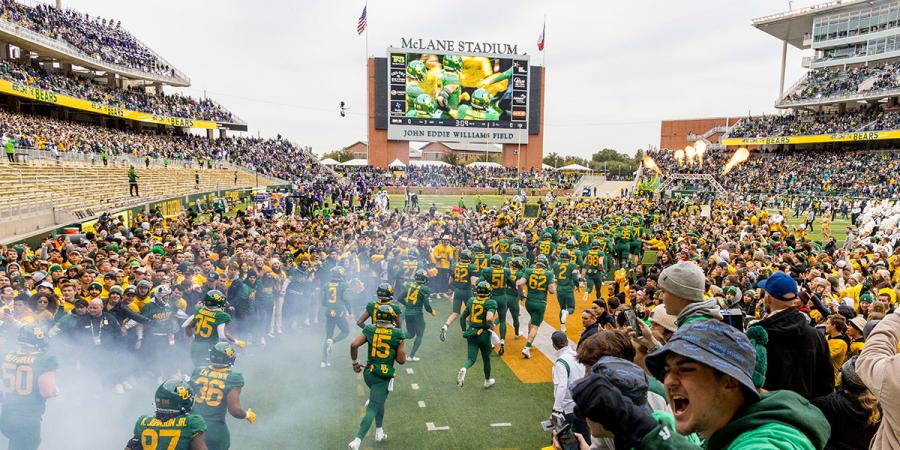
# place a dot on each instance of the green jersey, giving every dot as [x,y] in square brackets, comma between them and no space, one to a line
[481,261]
[546,248]
[21,371]
[502,247]
[462,277]
[334,299]
[565,275]
[212,386]
[170,434]
[408,268]
[415,297]
[371,306]
[476,312]
[467,112]
[584,240]
[206,324]
[162,318]
[500,280]
[383,344]
[593,261]
[537,280]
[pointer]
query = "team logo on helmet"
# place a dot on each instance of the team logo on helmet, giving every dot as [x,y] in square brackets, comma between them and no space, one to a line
[183,392]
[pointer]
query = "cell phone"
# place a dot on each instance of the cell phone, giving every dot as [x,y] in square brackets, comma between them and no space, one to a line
[631,317]
[566,437]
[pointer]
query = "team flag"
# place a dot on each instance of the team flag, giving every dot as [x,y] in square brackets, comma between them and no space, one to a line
[540,39]
[361,25]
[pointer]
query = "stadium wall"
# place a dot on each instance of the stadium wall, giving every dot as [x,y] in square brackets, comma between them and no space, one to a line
[673,134]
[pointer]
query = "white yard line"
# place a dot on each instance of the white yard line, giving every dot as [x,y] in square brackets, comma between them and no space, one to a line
[421,403]
[501,424]
[430,426]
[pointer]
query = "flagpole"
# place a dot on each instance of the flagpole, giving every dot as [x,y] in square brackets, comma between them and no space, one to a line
[368,140]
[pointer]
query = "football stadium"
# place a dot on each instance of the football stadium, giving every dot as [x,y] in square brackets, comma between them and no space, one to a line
[449,243]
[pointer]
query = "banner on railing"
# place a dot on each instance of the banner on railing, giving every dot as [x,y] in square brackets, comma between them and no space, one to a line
[814,139]
[42,95]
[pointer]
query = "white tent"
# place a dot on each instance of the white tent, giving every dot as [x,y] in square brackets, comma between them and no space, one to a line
[397,164]
[356,163]
[572,167]
[425,163]
[328,162]
[547,167]
[487,165]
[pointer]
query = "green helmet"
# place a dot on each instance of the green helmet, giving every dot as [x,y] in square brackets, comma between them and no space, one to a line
[214,299]
[465,256]
[32,335]
[572,243]
[509,232]
[478,247]
[174,397]
[412,253]
[595,243]
[337,273]
[483,289]
[416,70]
[519,239]
[496,261]
[541,260]
[518,263]
[517,250]
[546,236]
[481,98]
[421,276]
[384,316]
[385,292]
[424,104]
[565,255]
[222,354]
[452,63]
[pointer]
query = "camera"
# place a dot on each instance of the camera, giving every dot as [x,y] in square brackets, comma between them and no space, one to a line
[562,429]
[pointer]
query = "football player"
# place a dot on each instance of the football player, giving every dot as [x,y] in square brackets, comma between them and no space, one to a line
[385,344]
[539,282]
[415,74]
[448,98]
[172,427]
[500,279]
[385,295]
[208,326]
[219,388]
[482,107]
[479,311]
[424,107]
[157,336]
[566,273]
[337,309]
[416,297]
[593,271]
[465,274]
[29,379]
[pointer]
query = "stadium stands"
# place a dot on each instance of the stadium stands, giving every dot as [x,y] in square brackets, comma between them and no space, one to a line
[460,176]
[100,38]
[135,99]
[831,84]
[796,124]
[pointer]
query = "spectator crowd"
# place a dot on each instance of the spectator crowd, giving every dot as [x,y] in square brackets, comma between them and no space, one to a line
[99,38]
[134,98]
[440,176]
[824,83]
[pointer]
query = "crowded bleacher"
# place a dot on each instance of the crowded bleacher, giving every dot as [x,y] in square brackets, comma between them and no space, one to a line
[447,176]
[795,124]
[134,98]
[100,38]
[823,84]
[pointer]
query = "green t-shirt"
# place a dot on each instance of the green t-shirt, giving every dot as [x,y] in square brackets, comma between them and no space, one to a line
[162,318]
[206,324]
[537,280]
[172,434]
[415,297]
[21,371]
[211,388]
[462,277]
[334,299]
[476,312]
[383,343]
[565,275]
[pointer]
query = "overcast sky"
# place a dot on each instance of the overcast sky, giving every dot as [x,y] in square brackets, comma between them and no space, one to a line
[614,69]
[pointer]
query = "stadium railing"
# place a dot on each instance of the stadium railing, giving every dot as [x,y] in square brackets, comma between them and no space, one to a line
[71,51]
[865,95]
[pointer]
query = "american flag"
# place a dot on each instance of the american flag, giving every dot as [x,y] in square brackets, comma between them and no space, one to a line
[540,39]
[361,25]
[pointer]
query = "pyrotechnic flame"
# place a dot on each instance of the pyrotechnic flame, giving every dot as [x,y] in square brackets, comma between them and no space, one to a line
[691,153]
[700,147]
[739,156]
[651,164]
[679,156]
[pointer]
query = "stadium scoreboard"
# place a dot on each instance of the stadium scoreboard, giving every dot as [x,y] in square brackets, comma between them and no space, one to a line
[457,97]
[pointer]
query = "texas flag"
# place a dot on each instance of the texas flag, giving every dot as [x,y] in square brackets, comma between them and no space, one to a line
[541,38]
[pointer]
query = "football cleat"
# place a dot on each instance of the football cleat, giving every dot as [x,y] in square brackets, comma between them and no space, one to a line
[501,350]
[526,352]
[444,333]
[330,345]
[562,327]
[380,435]
[354,444]
[488,383]
[322,365]
[461,378]
[413,358]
